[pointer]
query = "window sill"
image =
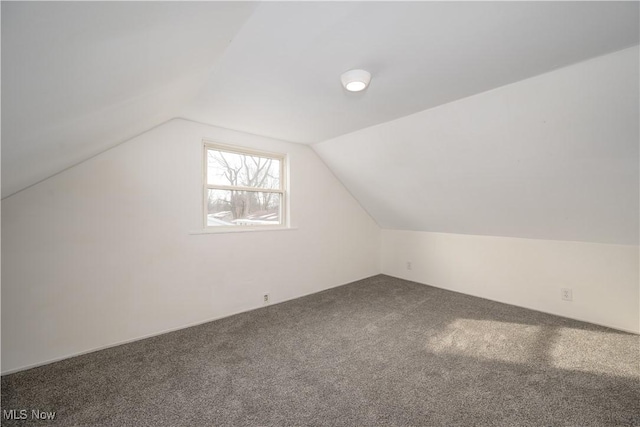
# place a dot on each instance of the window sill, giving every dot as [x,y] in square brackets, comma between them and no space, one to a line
[241,230]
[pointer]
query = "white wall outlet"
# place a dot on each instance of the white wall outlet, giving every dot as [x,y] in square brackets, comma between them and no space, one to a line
[266,299]
[409,266]
[567,294]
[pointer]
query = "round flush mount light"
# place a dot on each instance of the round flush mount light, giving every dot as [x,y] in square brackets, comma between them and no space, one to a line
[355,80]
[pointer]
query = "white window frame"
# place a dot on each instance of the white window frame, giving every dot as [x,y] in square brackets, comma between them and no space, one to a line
[284,199]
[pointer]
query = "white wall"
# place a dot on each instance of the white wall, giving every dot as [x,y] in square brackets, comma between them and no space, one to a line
[102,253]
[524,272]
[550,163]
[553,157]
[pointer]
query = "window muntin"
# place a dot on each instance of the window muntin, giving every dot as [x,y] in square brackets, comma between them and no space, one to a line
[243,188]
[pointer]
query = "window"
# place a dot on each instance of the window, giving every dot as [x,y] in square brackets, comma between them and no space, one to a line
[243,188]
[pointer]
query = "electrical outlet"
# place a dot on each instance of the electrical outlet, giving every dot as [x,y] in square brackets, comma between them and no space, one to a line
[567,294]
[265,299]
[409,266]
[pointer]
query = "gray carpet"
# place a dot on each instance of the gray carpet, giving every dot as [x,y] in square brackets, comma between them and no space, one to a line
[380,351]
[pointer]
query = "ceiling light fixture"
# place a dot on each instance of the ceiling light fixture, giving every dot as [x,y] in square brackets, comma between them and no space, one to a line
[355,80]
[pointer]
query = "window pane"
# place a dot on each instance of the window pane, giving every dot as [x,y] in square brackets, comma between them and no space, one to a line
[226,168]
[227,208]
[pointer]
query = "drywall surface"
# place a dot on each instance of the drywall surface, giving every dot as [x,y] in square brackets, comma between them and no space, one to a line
[524,272]
[554,157]
[421,54]
[103,252]
[81,77]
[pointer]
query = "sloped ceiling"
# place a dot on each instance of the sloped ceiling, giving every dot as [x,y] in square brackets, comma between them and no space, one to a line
[280,76]
[553,157]
[80,77]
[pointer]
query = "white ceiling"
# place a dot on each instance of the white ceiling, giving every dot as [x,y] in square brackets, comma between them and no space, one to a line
[280,76]
[80,77]
[552,157]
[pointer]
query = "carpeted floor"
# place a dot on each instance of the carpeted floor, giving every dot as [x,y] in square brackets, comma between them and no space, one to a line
[380,351]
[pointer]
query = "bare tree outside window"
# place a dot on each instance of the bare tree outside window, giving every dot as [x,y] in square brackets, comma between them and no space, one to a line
[243,188]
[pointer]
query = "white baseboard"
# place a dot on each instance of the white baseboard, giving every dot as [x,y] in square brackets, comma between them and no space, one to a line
[166,331]
[617,328]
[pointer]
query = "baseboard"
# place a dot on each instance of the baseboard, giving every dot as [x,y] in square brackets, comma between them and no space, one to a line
[617,328]
[213,319]
[166,331]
